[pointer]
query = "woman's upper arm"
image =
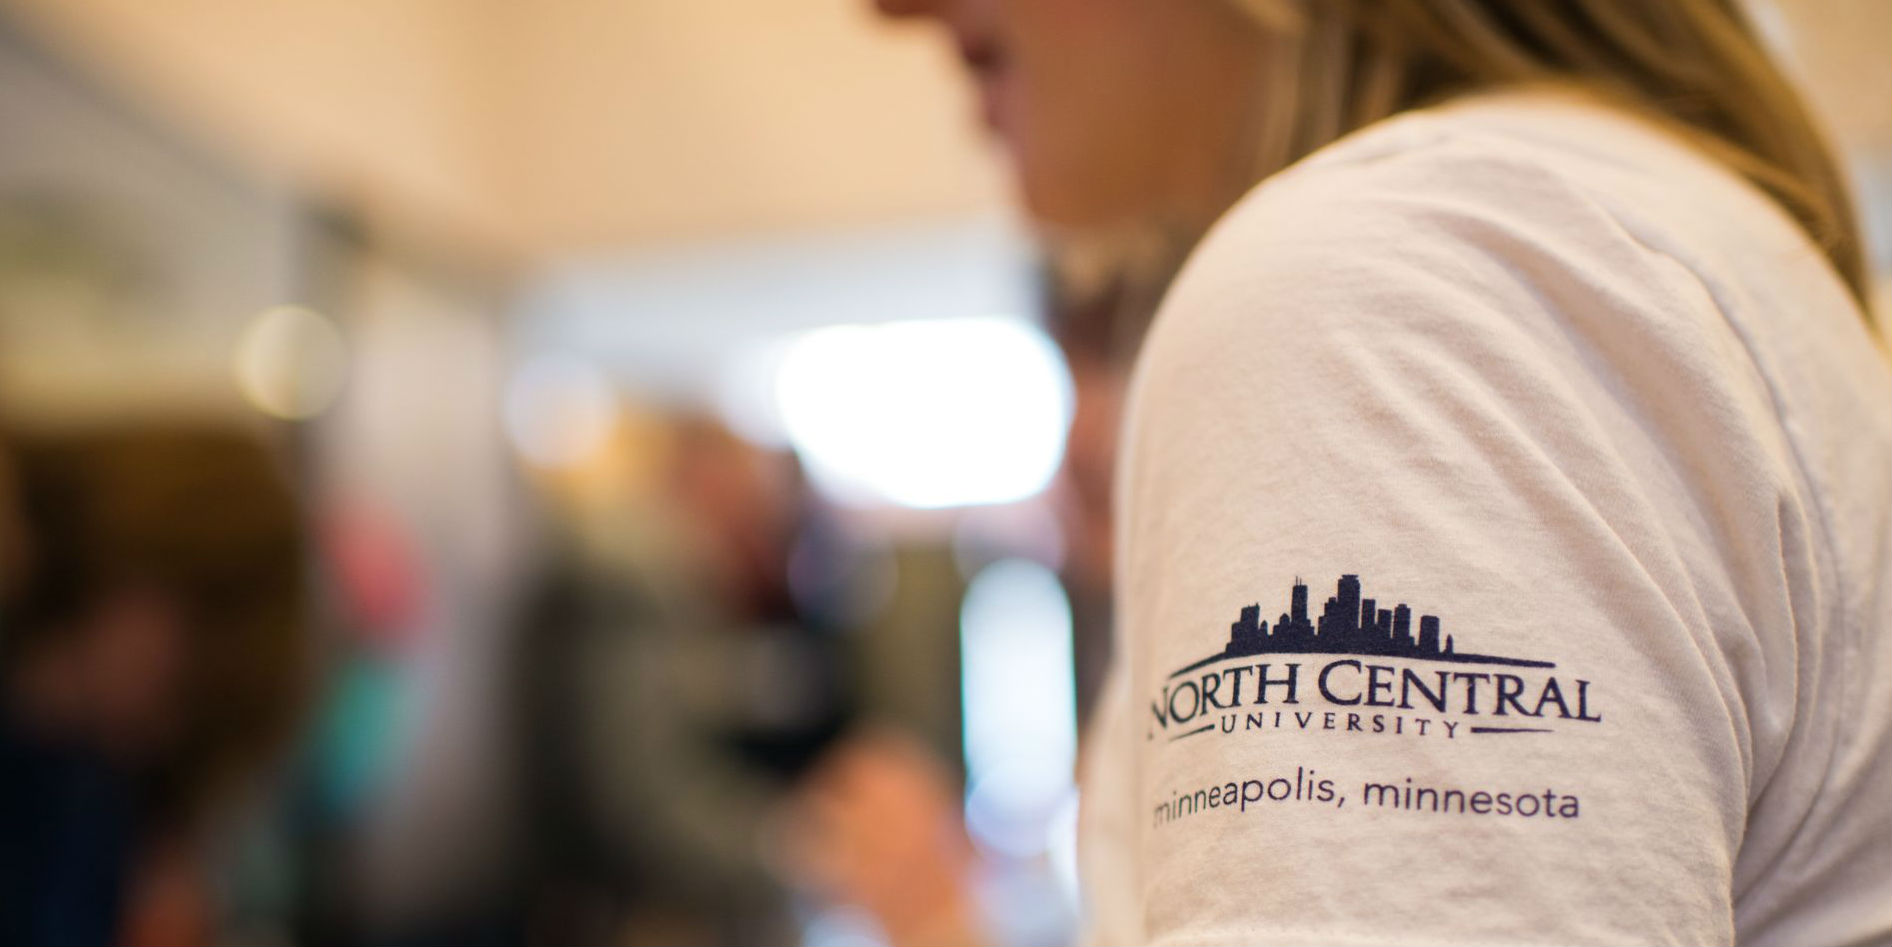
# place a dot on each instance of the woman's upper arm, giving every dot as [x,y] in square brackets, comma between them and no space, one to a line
[1429,628]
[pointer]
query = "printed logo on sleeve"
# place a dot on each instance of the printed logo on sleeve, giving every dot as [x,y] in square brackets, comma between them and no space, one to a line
[1358,668]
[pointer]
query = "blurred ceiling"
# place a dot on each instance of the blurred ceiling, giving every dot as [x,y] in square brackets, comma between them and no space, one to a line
[572,126]
[558,126]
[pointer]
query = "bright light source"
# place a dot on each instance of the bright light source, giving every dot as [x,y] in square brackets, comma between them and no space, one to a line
[291,362]
[1020,705]
[927,414]
[559,410]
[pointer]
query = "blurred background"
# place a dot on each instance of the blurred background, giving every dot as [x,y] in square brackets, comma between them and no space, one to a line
[591,471]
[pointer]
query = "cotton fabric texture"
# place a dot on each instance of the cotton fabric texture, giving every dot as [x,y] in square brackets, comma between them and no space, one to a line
[1606,441]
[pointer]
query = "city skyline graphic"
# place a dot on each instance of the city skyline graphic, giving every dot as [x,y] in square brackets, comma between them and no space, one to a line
[1348,624]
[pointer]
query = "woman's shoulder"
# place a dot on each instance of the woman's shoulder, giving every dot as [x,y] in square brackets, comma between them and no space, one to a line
[1439,211]
[1544,208]
[1562,260]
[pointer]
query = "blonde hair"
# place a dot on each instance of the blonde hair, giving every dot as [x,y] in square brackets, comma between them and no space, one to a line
[1342,64]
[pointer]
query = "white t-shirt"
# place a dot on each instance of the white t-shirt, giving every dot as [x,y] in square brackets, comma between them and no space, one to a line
[1506,556]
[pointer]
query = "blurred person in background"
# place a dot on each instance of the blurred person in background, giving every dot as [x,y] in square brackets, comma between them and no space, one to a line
[12,531]
[1547,318]
[151,649]
[677,683]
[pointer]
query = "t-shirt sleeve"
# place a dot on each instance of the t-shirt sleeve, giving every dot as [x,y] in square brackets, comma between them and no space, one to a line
[1457,579]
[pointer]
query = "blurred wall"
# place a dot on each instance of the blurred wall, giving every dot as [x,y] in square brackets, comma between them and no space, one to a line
[635,121]
[1839,48]
[129,261]
[546,127]
[362,101]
